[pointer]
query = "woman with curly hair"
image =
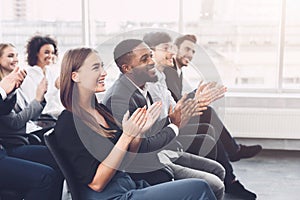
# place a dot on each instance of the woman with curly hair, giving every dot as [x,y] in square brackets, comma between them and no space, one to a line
[41,54]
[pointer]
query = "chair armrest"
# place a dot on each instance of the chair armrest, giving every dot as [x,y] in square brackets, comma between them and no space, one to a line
[19,138]
[22,139]
[46,117]
[34,139]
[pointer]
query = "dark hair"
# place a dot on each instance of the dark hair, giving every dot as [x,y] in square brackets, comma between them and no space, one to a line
[123,51]
[155,38]
[181,39]
[34,45]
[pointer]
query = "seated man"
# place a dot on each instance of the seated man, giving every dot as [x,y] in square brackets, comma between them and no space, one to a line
[186,50]
[129,92]
[186,46]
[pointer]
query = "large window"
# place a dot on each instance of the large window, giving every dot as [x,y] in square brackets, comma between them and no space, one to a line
[253,44]
[291,64]
[21,19]
[242,39]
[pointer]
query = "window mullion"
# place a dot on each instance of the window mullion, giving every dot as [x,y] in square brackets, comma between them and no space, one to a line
[281,46]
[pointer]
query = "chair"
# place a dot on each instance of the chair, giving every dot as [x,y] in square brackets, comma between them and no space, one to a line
[19,139]
[47,122]
[63,164]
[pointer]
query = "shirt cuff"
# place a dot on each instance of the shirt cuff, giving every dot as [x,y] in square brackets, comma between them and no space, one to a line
[10,95]
[3,93]
[174,128]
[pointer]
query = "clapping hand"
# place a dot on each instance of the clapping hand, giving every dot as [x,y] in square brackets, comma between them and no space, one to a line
[208,92]
[133,126]
[221,89]
[183,111]
[152,115]
[13,80]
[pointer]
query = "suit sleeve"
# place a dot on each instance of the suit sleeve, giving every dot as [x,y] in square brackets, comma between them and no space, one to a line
[156,138]
[7,105]
[158,141]
[18,120]
[173,83]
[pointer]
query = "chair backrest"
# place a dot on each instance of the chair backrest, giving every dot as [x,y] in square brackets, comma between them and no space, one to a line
[63,164]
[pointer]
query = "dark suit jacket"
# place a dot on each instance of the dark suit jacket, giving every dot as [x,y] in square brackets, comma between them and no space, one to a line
[174,83]
[7,105]
[123,96]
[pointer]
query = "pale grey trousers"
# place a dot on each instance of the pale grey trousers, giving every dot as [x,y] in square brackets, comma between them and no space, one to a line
[186,165]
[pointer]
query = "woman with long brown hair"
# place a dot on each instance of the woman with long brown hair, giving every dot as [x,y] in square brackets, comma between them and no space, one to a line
[98,147]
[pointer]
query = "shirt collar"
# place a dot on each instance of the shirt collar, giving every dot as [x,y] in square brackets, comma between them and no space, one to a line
[143,91]
[179,71]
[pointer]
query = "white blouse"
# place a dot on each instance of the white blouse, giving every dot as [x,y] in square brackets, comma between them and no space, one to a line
[30,83]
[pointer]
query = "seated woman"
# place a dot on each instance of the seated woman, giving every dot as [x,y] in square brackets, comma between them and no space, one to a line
[41,53]
[98,147]
[20,119]
[28,169]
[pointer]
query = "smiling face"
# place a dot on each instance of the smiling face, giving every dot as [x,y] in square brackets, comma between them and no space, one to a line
[164,53]
[185,53]
[8,59]
[46,55]
[91,75]
[141,67]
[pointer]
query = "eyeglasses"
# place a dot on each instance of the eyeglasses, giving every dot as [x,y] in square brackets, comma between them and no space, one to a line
[172,48]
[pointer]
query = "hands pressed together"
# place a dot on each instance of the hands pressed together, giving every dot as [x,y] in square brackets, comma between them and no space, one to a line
[186,108]
[183,111]
[209,92]
[141,120]
[13,80]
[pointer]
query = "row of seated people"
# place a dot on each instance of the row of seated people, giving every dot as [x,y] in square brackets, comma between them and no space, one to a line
[83,128]
[39,103]
[30,170]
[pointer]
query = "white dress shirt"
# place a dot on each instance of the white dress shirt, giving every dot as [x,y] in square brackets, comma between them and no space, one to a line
[30,83]
[144,92]
[159,92]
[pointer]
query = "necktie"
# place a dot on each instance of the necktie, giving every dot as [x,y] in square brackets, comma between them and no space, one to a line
[149,99]
[180,76]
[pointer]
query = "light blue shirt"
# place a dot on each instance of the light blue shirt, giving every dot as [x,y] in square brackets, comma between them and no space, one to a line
[151,88]
[159,92]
